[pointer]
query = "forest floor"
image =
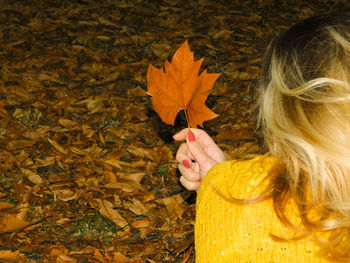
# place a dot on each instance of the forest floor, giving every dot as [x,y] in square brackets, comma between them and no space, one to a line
[87,168]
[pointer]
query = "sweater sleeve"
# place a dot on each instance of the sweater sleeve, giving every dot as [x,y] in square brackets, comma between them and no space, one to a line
[230,232]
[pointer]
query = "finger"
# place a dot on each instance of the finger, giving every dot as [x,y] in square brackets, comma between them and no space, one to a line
[202,137]
[189,174]
[183,153]
[201,157]
[188,184]
[181,135]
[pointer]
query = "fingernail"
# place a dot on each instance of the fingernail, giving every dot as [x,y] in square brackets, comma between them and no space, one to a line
[191,136]
[200,179]
[186,163]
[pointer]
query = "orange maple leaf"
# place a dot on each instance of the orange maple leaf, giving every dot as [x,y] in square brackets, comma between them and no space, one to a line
[178,87]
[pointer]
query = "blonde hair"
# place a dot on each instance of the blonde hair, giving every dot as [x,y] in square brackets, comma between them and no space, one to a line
[304,110]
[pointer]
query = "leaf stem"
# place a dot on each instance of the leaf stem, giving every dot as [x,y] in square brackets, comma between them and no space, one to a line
[188,122]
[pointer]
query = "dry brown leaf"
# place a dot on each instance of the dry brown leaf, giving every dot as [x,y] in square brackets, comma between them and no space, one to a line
[172,207]
[109,177]
[93,103]
[105,21]
[140,152]
[5,205]
[44,77]
[240,75]
[55,252]
[141,223]
[161,50]
[32,134]
[87,250]
[117,163]
[107,211]
[87,130]
[19,144]
[33,177]
[133,180]
[57,146]
[69,124]
[63,221]
[77,150]
[112,76]
[126,187]
[119,257]
[136,92]
[23,159]
[103,38]
[139,163]
[20,92]
[101,138]
[65,259]
[135,206]
[47,161]
[8,254]
[223,34]
[65,194]
[114,163]
[11,222]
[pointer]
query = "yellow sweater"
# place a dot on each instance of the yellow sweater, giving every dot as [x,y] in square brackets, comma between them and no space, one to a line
[228,232]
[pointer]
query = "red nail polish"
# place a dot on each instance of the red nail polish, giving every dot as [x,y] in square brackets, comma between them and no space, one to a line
[191,136]
[200,179]
[186,163]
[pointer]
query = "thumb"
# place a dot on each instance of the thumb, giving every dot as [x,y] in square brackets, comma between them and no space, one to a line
[199,154]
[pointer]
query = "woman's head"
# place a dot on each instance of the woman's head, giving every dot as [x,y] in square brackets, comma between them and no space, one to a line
[305,106]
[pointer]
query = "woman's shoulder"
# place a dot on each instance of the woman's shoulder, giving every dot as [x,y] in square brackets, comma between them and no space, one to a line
[226,231]
[244,178]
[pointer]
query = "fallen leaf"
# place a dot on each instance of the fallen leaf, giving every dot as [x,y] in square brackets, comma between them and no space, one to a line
[172,207]
[178,87]
[126,187]
[109,177]
[160,50]
[32,134]
[140,223]
[57,146]
[223,34]
[114,163]
[119,257]
[65,194]
[136,207]
[86,250]
[77,151]
[87,130]
[11,222]
[136,92]
[132,180]
[33,177]
[140,152]
[55,252]
[93,103]
[65,259]
[107,211]
[106,22]
[8,254]
[5,205]
[69,124]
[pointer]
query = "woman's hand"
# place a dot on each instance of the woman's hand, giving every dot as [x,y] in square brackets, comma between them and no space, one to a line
[201,149]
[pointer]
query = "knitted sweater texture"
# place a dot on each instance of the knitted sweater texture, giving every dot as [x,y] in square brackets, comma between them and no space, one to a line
[229,232]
